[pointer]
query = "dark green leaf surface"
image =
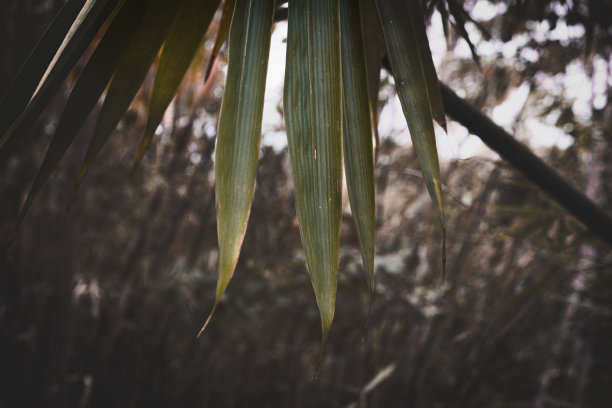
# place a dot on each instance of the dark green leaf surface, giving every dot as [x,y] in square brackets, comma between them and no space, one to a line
[240,129]
[30,74]
[313,115]
[88,88]
[357,134]
[180,47]
[130,73]
[77,40]
[374,50]
[405,58]
[429,70]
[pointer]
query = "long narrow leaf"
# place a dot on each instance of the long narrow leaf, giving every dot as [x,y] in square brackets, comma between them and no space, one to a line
[374,50]
[240,129]
[130,74]
[88,89]
[357,134]
[224,28]
[88,23]
[405,58]
[22,88]
[179,50]
[313,112]
[429,70]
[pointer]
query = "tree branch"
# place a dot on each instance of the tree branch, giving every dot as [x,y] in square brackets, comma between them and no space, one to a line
[523,159]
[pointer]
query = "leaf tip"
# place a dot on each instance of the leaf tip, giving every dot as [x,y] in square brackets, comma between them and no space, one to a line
[141,151]
[80,177]
[208,319]
[366,327]
[327,318]
[443,248]
[209,67]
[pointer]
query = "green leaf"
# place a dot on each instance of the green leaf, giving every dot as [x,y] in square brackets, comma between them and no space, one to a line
[22,88]
[405,58]
[313,115]
[89,87]
[178,51]
[239,133]
[357,134]
[224,27]
[374,50]
[130,74]
[429,70]
[80,36]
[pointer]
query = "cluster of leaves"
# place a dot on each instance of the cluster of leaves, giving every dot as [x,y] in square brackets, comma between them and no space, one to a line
[333,63]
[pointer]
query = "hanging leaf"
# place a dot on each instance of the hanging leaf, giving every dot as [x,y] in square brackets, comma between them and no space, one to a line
[130,74]
[89,87]
[183,41]
[357,135]
[224,27]
[429,70]
[405,58]
[240,130]
[24,85]
[313,115]
[78,39]
[374,50]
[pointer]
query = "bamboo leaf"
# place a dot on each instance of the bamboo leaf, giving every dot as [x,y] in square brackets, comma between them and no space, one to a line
[374,49]
[429,70]
[224,28]
[178,51]
[90,20]
[24,85]
[89,87]
[130,74]
[404,55]
[313,115]
[356,134]
[239,133]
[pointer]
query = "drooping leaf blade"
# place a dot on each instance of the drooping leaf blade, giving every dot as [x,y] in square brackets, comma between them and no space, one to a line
[224,28]
[30,74]
[87,91]
[87,24]
[239,132]
[313,115]
[374,50]
[178,51]
[130,74]
[357,134]
[429,70]
[405,58]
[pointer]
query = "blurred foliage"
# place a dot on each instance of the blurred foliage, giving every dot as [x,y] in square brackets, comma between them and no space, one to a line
[99,305]
[122,39]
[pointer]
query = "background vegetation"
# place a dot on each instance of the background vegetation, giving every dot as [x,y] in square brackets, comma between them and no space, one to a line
[99,305]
